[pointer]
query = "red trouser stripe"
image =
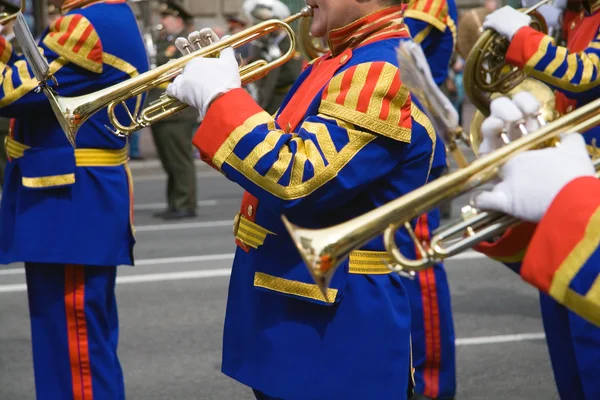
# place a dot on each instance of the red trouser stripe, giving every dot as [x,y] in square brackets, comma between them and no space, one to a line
[77,332]
[431,319]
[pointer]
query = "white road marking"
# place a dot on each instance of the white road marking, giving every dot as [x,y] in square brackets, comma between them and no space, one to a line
[183,260]
[148,164]
[12,271]
[160,206]
[162,177]
[209,257]
[521,337]
[189,225]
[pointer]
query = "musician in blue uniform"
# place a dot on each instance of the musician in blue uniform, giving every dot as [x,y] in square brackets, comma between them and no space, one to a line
[347,139]
[432,24]
[67,212]
[573,341]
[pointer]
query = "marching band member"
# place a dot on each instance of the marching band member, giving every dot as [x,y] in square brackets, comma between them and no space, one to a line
[432,24]
[572,70]
[347,139]
[564,273]
[67,213]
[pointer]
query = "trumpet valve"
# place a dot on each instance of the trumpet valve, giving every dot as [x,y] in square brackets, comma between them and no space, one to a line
[468,212]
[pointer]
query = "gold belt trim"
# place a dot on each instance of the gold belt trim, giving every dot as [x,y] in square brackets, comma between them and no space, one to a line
[248,232]
[369,262]
[83,157]
[287,286]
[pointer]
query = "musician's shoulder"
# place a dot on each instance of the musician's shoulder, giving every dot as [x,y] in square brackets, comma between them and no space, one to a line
[74,38]
[434,12]
[371,96]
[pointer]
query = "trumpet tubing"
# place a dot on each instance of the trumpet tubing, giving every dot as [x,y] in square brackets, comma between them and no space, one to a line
[72,112]
[324,249]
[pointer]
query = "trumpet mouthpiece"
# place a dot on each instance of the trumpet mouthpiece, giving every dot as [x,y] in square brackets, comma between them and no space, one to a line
[307,11]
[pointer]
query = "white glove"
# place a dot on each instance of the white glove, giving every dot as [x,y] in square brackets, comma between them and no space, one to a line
[507,121]
[204,79]
[531,180]
[506,21]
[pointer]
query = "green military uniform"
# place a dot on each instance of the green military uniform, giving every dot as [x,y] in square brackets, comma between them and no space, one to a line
[273,88]
[6,7]
[173,136]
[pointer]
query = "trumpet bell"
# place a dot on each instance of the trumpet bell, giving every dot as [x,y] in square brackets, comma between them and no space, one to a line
[320,251]
[540,91]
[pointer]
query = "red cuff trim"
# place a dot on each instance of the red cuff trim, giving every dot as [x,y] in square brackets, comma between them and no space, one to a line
[560,230]
[5,50]
[512,243]
[224,115]
[524,45]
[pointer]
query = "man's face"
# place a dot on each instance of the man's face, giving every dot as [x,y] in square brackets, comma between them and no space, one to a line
[171,24]
[333,14]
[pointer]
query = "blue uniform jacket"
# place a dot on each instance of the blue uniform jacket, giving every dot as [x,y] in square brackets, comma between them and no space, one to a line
[59,204]
[433,24]
[347,139]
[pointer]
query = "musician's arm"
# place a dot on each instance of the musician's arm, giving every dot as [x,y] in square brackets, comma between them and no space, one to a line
[575,74]
[560,256]
[73,51]
[331,157]
[563,257]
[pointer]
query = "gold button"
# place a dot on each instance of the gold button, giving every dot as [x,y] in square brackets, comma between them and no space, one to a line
[572,25]
[569,109]
[250,210]
[344,58]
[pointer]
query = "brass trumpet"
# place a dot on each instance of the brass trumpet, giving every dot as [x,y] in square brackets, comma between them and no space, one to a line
[5,18]
[324,249]
[72,112]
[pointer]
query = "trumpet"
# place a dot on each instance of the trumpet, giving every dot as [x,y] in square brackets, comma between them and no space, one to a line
[323,250]
[5,18]
[72,112]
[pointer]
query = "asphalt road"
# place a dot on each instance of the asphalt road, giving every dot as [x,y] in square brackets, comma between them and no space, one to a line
[172,305]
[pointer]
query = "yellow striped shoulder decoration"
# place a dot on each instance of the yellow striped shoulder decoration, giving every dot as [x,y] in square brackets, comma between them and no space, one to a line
[74,38]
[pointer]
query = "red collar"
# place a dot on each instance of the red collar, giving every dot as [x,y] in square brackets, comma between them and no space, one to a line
[73,4]
[385,22]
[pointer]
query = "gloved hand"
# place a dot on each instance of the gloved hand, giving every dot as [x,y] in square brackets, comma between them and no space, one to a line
[506,21]
[204,79]
[507,120]
[531,180]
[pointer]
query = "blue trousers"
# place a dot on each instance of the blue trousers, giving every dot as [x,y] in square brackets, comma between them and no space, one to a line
[74,332]
[432,326]
[574,347]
